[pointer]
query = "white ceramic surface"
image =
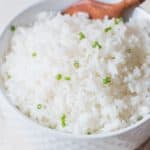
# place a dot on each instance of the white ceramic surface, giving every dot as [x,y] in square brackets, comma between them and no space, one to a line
[126,139]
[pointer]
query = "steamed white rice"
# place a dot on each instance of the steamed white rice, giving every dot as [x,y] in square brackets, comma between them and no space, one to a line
[79,75]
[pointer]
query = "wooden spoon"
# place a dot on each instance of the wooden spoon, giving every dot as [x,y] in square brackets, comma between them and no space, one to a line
[97,10]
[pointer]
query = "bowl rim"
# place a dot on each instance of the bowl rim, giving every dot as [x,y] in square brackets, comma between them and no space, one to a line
[54,131]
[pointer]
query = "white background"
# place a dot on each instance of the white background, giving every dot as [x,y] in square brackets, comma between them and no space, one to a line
[10,139]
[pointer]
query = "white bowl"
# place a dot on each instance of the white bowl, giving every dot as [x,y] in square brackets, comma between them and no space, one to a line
[128,138]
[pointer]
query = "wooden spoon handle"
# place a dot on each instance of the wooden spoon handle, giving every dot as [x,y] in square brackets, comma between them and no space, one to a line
[97,9]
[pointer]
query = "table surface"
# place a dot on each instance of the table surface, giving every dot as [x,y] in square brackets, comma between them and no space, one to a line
[8,9]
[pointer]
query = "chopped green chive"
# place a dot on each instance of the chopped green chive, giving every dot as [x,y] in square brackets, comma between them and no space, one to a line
[63,120]
[106,80]
[51,126]
[13,28]
[34,54]
[8,76]
[59,76]
[76,64]
[67,78]
[89,133]
[96,44]
[81,36]
[113,57]
[39,106]
[139,118]
[108,29]
[118,20]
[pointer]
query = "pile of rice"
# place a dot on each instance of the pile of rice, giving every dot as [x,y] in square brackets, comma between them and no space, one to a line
[79,75]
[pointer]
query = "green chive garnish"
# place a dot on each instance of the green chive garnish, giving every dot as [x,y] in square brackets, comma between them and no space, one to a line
[13,28]
[118,20]
[113,57]
[139,118]
[106,80]
[76,64]
[34,54]
[89,133]
[81,36]
[59,76]
[96,44]
[63,120]
[108,29]
[8,76]
[39,106]
[67,78]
